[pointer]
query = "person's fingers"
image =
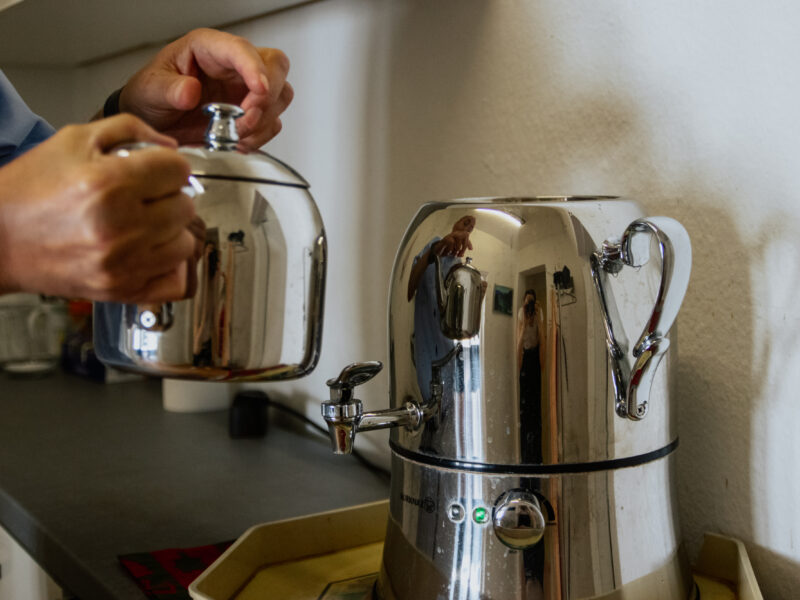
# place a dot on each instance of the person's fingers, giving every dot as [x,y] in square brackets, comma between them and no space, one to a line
[167,217]
[259,125]
[125,128]
[275,68]
[178,281]
[262,134]
[197,227]
[134,267]
[167,255]
[165,287]
[182,92]
[151,172]
[218,54]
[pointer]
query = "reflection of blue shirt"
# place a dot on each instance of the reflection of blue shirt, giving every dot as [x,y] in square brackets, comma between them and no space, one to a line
[430,343]
[20,129]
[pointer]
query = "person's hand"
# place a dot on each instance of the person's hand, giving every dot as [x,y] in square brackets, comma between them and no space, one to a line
[76,221]
[211,66]
[455,243]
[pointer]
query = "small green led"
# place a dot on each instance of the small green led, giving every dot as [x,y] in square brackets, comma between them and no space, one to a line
[480,515]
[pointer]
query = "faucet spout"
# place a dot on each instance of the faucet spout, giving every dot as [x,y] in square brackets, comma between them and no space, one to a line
[346,419]
[342,419]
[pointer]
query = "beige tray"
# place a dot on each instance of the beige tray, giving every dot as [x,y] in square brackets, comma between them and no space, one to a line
[297,558]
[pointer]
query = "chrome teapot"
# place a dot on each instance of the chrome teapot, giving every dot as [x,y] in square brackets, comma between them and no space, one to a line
[257,312]
[533,452]
[459,296]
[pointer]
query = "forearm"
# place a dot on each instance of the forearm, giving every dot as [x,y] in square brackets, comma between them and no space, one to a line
[418,269]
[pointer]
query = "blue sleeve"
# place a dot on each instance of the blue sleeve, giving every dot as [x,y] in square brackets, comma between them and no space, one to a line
[20,128]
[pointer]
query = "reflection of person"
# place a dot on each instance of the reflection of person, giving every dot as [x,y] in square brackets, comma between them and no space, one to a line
[77,221]
[454,244]
[530,358]
[430,344]
[530,344]
[205,332]
[213,310]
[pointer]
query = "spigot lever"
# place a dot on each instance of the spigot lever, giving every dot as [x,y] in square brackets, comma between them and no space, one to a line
[351,376]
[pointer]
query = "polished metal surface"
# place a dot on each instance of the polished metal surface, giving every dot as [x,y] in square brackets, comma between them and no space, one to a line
[221,133]
[345,416]
[459,296]
[608,535]
[257,311]
[632,386]
[557,401]
[518,519]
[532,448]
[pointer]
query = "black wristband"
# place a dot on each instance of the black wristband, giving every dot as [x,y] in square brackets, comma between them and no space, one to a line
[111,107]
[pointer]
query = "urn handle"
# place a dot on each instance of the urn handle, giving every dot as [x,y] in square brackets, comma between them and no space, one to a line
[632,383]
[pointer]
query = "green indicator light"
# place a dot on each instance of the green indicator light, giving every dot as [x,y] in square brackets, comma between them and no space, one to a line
[480,514]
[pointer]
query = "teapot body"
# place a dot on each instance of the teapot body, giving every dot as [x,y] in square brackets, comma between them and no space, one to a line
[257,311]
[459,295]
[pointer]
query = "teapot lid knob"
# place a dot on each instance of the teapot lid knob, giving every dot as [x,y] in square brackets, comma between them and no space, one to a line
[221,133]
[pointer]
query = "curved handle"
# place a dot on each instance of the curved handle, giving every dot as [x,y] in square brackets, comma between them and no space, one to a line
[676,263]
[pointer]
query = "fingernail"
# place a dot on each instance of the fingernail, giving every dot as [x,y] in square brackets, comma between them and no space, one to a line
[265,83]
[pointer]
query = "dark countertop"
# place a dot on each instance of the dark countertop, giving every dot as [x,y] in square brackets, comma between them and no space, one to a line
[90,471]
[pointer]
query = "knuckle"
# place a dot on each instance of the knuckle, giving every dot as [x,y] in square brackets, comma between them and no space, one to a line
[287,94]
[70,131]
[106,281]
[241,42]
[127,123]
[94,182]
[279,58]
[164,165]
[185,212]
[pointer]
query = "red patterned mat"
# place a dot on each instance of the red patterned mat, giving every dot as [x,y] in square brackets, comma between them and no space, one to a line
[168,573]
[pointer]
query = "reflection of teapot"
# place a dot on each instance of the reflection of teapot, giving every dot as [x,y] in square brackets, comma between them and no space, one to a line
[459,296]
[257,312]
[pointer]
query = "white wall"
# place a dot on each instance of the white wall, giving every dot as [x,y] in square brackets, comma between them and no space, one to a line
[692,107]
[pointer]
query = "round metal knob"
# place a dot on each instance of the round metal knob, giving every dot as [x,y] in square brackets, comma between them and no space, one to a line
[518,519]
[221,133]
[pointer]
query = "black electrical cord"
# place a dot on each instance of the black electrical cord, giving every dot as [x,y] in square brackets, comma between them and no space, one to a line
[378,470]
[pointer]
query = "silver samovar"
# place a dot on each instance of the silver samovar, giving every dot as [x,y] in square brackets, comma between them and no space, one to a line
[534,434]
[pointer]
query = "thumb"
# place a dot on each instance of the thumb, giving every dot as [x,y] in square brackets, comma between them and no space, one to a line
[181,92]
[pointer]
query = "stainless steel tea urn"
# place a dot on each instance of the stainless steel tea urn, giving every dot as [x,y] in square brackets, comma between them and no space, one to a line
[257,312]
[533,431]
